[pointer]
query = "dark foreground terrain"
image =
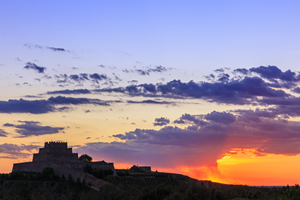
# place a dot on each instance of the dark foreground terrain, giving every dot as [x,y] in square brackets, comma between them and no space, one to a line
[152,186]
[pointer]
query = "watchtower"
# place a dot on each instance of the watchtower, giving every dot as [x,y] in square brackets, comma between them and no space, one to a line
[55,152]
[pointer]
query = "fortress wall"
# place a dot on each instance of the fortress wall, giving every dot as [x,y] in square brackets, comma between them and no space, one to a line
[60,170]
[57,156]
[100,165]
[28,167]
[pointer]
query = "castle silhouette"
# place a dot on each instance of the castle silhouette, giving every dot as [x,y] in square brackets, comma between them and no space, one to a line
[61,158]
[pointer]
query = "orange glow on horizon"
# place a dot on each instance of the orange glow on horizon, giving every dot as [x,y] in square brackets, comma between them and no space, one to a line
[248,167]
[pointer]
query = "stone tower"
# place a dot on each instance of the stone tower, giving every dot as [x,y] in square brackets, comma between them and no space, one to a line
[57,152]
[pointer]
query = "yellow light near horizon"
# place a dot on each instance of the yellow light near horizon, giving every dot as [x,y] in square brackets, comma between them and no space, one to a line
[245,167]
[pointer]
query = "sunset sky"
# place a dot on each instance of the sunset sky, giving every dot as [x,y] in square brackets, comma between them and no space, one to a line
[209,89]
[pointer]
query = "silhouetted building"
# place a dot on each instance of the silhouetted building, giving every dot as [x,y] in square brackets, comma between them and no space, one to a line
[61,158]
[55,152]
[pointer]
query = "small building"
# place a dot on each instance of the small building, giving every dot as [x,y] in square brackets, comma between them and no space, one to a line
[146,168]
[140,169]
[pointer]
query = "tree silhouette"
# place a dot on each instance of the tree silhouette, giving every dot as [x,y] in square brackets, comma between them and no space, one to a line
[48,173]
[85,158]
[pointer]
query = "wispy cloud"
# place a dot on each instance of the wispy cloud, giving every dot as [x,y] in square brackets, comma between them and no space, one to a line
[14,151]
[35,46]
[3,133]
[147,70]
[80,78]
[33,66]
[33,128]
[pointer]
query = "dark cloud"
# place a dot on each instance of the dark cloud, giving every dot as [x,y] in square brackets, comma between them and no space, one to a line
[26,106]
[241,70]
[133,81]
[287,101]
[45,106]
[3,133]
[223,77]
[177,136]
[56,49]
[14,151]
[148,70]
[33,66]
[82,77]
[75,101]
[185,118]
[33,128]
[273,72]
[97,77]
[244,91]
[220,117]
[297,90]
[78,91]
[220,70]
[149,102]
[161,121]
[210,77]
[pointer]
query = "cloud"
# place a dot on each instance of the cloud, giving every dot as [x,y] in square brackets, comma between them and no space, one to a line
[204,139]
[176,136]
[35,46]
[297,90]
[33,128]
[290,101]
[273,72]
[45,106]
[245,91]
[26,106]
[75,101]
[14,151]
[220,117]
[241,70]
[148,70]
[82,77]
[3,133]
[223,77]
[149,102]
[56,49]
[97,77]
[161,121]
[30,46]
[33,66]
[78,91]
[190,119]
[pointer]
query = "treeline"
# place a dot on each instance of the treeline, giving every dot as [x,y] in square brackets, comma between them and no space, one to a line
[98,173]
[47,186]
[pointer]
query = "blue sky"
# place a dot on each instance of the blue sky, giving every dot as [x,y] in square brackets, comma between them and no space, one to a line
[176,81]
[189,34]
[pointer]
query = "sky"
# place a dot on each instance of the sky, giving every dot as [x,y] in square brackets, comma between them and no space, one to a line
[209,89]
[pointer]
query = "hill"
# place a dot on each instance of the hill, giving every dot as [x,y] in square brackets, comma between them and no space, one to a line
[152,186]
